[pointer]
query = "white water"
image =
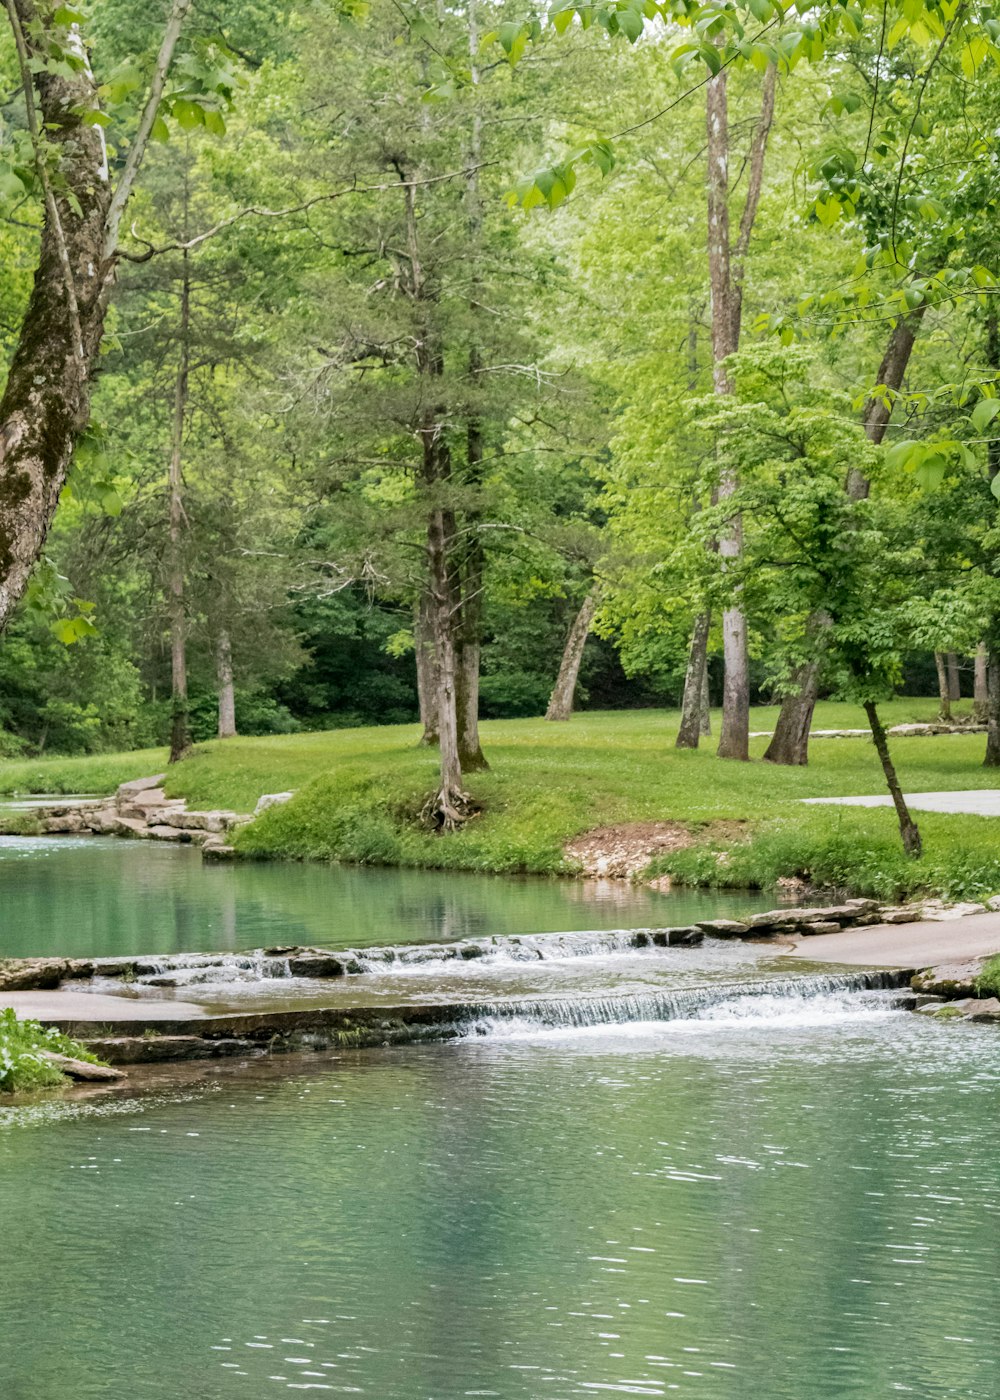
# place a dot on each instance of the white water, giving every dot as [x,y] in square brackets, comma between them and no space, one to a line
[762,1015]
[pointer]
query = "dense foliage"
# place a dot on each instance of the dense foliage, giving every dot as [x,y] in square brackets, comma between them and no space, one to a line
[436,331]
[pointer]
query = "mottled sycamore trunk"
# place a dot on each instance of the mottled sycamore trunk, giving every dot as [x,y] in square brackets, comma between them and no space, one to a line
[705,717]
[907,826]
[726,277]
[564,690]
[693,706]
[224,678]
[944,692]
[790,742]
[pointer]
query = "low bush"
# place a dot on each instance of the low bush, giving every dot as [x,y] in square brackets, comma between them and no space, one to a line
[23,1065]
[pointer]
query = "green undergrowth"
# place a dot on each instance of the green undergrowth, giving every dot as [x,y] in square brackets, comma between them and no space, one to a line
[857,850]
[22,1064]
[988,981]
[358,794]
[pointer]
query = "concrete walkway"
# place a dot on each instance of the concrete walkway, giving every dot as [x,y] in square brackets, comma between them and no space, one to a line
[63,1004]
[922,944]
[982,802]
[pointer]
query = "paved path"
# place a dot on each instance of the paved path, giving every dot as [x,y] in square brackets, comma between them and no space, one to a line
[906,945]
[982,802]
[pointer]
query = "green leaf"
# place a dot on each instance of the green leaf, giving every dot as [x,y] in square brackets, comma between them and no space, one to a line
[70,629]
[630,23]
[188,115]
[159,130]
[984,413]
[930,472]
[903,454]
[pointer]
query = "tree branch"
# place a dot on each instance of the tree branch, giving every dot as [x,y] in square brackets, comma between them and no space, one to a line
[259,212]
[137,151]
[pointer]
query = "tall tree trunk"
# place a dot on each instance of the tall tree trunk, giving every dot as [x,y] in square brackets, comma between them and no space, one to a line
[980,700]
[427,681]
[944,692]
[790,742]
[446,808]
[705,714]
[470,621]
[912,844]
[734,741]
[180,736]
[46,399]
[227,695]
[472,564]
[695,682]
[561,701]
[992,759]
[726,277]
[954,677]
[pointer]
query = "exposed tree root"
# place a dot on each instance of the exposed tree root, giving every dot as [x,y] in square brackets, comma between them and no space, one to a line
[448,809]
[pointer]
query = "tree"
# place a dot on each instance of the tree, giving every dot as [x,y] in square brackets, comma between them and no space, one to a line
[46,401]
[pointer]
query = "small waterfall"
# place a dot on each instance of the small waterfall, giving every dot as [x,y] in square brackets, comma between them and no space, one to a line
[759,1000]
[195,969]
[537,947]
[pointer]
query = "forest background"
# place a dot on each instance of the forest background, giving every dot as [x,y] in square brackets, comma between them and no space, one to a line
[243,542]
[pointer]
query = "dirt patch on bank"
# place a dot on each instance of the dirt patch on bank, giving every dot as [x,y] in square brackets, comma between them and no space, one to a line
[622,852]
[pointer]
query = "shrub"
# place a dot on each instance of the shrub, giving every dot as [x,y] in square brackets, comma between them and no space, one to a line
[22,1061]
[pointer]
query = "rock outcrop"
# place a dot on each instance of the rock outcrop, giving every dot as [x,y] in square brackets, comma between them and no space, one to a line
[141,809]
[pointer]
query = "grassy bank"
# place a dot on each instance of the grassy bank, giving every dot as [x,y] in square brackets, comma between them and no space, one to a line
[358,792]
[23,1066]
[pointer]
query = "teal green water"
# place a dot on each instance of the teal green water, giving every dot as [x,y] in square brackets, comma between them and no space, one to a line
[799,1204]
[89,897]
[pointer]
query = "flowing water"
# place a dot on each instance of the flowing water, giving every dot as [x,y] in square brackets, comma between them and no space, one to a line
[93,896]
[702,1172]
[794,1199]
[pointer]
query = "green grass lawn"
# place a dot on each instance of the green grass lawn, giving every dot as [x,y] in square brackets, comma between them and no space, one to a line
[359,790]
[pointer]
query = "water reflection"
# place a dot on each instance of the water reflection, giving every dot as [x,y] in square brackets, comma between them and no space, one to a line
[80,897]
[802,1213]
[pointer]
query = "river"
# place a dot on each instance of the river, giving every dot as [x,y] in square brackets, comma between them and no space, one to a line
[774,1197]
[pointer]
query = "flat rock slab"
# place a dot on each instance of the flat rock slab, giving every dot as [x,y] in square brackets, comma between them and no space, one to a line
[984,802]
[923,944]
[96,1008]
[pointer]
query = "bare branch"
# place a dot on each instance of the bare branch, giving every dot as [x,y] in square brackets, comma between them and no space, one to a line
[137,151]
[758,149]
[258,212]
